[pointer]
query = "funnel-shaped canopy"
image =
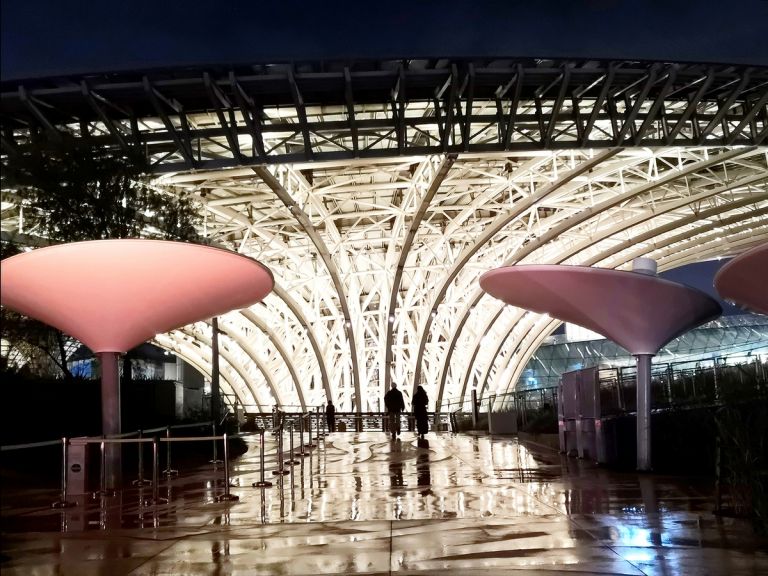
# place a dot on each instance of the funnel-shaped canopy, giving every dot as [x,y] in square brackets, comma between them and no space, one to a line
[744,280]
[637,311]
[115,294]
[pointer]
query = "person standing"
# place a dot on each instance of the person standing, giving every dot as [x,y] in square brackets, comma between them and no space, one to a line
[419,406]
[393,401]
[330,416]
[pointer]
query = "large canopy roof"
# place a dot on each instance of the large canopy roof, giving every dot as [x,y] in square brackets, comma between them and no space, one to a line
[378,210]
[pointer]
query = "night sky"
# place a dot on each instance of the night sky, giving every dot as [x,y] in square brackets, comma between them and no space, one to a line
[49,37]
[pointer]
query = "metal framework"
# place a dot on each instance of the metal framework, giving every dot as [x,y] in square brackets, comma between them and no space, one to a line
[378,192]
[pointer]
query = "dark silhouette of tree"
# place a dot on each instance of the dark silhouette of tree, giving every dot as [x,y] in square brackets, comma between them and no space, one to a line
[71,191]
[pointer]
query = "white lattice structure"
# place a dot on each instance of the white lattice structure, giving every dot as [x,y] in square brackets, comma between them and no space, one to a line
[378,192]
[384,255]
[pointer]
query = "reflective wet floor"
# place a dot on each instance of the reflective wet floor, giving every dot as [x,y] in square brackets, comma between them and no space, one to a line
[363,504]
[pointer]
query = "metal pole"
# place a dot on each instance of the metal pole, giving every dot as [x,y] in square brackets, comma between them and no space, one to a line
[280,471]
[155,473]
[155,466]
[292,460]
[215,459]
[62,503]
[261,483]
[643,383]
[110,415]
[317,422]
[215,376]
[140,481]
[226,497]
[309,444]
[302,454]
[168,470]
[103,457]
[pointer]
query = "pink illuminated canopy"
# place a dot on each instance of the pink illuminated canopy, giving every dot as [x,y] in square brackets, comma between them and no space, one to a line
[744,280]
[639,312]
[115,294]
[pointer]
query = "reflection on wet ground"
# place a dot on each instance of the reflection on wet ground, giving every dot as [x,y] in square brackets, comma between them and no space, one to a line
[361,503]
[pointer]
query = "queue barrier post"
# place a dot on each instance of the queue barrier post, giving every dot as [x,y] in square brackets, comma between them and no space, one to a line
[140,480]
[291,459]
[226,497]
[63,502]
[280,470]
[310,445]
[261,483]
[168,470]
[155,500]
[215,459]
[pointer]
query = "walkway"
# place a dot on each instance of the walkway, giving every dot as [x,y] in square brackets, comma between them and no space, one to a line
[453,505]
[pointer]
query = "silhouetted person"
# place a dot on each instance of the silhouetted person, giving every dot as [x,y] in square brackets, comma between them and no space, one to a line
[419,405]
[393,401]
[330,416]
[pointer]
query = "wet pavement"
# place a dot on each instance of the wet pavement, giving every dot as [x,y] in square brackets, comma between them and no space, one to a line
[362,504]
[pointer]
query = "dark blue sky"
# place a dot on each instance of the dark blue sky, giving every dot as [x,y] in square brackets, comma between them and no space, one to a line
[48,37]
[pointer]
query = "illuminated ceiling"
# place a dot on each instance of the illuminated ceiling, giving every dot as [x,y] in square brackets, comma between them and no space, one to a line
[377,219]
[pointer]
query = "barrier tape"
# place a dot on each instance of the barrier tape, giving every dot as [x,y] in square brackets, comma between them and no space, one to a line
[30,445]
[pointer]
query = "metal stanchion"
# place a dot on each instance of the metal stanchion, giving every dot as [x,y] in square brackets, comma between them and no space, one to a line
[309,430]
[261,483]
[62,502]
[102,491]
[155,476]
[168,470]
[280,471]
[226,497]
[302,453]
[291,459]
[215,459]
[140,481]
[317,421]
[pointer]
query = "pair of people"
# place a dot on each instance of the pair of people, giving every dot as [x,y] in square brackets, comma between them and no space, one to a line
[394,403]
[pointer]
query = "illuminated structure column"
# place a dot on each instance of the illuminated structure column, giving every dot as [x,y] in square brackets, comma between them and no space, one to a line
[643,383]
[110,415]
[110,317]
[215,393]
[637,310]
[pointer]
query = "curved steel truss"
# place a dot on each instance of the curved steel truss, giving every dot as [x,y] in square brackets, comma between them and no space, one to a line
[378,193]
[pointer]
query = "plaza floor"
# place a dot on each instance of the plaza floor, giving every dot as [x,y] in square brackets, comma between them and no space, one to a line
[363,504]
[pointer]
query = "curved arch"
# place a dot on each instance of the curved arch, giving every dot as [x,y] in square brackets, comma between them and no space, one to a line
[653,232]
[306,224]
[178,346]
[294,307]
[590,212]
[261,325]
[490,231]
[434,186]
[236,365]
[696,253]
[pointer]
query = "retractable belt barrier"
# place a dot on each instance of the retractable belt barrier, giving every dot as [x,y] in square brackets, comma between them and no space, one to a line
[150,436]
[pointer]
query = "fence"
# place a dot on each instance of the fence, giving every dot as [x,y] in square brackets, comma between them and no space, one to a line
[672,385]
